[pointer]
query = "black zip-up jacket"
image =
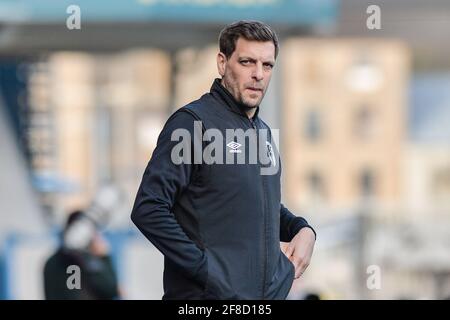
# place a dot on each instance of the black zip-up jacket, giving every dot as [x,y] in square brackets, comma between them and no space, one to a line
[219,226]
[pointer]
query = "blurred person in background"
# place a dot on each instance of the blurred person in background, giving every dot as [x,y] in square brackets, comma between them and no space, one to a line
[219,226]
[82,246]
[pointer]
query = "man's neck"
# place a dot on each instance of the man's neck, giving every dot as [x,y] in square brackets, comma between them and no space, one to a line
[250,112]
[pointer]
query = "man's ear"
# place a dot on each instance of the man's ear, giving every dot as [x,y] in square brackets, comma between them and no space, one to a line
[221,63]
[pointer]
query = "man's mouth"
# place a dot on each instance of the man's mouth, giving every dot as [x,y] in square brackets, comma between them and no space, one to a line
[254,89]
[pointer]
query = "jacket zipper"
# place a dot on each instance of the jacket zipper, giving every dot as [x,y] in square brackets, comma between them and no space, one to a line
[264,217]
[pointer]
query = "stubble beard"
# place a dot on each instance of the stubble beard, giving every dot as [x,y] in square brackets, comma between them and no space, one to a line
[233,88]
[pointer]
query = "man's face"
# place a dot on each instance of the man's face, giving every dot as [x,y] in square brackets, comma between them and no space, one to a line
[246,74]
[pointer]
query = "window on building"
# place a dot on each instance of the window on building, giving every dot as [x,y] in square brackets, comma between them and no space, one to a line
[367,183]
[313,126]
[364,124]
[440,184]
[364,75]
[316,186]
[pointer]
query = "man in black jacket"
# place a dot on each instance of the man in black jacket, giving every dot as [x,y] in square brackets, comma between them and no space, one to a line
[206,203]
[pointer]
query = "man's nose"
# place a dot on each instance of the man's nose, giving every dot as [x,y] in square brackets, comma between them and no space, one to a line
[258,73]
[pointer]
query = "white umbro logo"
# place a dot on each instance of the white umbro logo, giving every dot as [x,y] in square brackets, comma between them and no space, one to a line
[234,147]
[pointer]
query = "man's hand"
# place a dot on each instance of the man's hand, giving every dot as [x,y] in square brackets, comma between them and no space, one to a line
[300,249]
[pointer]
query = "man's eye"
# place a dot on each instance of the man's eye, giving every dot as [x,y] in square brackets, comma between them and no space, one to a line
[245,62]
[268,66]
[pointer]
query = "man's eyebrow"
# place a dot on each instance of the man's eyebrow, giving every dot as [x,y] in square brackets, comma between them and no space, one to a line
[247,58]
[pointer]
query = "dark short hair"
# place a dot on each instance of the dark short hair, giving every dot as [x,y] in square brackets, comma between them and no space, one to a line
[74,216]
[249,30]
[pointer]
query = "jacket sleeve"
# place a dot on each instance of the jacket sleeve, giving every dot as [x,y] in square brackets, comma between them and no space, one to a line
[163,181]
[290,224]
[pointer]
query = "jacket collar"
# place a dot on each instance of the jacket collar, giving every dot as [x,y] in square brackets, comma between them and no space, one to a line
[220,92]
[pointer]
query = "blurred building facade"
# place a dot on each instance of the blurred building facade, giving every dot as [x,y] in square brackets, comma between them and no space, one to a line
[344,121]
[102,115]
